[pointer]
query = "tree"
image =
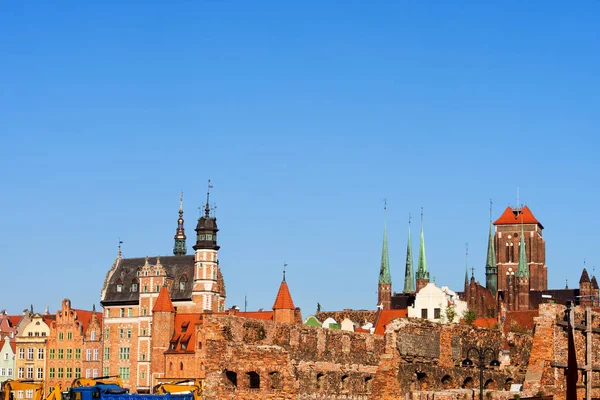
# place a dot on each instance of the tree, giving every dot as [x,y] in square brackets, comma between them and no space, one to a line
[450,313]
[469,316]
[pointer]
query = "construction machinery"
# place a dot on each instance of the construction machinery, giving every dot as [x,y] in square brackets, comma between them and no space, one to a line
[193,386]
[36,388]
[102,380]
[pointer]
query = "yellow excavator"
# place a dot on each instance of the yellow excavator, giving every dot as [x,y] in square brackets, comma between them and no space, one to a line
[11,386]
[193,386]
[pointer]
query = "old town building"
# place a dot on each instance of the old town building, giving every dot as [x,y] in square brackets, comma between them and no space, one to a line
[7,359]
[131,290]
[31,343]
[74,345]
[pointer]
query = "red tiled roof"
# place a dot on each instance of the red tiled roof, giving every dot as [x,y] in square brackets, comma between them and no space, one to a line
[163,302]
[385,317]
[85,316]
[264,315]
[284,298]
[508,217]
[14,319]
[185,322]
[48,319]
[362,330]
[13,346]
[519,320]
[485,322]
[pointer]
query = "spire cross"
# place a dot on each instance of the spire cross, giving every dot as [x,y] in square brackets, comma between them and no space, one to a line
[409,218]
[472,271]
[384,204]
[207,209]
[284,265]
[181,201]
[421,215]
[120,243]
[491,210]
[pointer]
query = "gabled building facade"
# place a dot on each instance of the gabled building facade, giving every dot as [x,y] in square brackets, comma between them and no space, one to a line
[74,345]
[7,359]
[31,345]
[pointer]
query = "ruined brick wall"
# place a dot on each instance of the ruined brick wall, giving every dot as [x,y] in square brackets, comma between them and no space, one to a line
[249,359]
[547,366]
[424,356]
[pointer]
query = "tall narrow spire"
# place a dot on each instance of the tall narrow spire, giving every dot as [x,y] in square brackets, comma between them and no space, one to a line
[491,268]
[523,268]
[409,273]
[422,271]
[207,208]
[466,264]
[384,269]
[179,249]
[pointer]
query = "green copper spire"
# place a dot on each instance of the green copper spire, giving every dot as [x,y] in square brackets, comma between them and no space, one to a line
[422,271]
[409,273]
[384,271]
[491,268]
[523,269]
[179,248]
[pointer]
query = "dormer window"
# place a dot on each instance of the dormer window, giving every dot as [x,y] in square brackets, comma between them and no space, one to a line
[157,273]
[134,287]
[181,286]
[183,346]
[119,288]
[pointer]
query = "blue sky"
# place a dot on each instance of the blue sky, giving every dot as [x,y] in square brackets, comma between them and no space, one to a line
[305,116]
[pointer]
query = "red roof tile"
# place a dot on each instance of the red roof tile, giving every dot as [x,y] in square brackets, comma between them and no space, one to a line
[264,315]
[284,298]
[384,317]
[485,322]
[163,302]
[14,319]
[509,217]
[85,316]
[185,332]
[519,320]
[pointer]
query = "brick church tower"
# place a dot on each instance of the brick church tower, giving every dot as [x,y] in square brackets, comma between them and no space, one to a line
[516,226]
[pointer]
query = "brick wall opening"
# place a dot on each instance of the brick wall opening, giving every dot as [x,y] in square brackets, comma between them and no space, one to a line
[253,380]
[468,383]
[231,378]
[320,382]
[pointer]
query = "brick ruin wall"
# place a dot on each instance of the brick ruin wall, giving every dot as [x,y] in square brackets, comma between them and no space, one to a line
[249,359]
[423,358]
[547,373]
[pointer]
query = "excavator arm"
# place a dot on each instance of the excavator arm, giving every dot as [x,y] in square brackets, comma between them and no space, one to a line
[195,386]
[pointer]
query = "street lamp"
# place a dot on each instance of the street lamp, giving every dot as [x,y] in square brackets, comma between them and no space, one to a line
[481,353]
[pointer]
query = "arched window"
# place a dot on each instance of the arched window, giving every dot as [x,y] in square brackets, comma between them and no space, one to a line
[468,383]
[368,384]
[275,380]
[170,366]
[253,380]
[231,377]
[181,366]
[345,382]
[447,381]
[320,382]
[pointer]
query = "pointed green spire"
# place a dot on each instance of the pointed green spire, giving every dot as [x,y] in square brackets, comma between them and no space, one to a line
[384,270]
[409,273]
[422,271]
[523,269]
[491,268]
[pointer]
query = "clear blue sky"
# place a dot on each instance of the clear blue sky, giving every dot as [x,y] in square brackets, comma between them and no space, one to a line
[305,116]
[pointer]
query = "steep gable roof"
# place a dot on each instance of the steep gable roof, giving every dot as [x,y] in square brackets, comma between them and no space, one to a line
[284,298]
[515,216]
[163,302]
[85,316]
[14,319]
[585,278]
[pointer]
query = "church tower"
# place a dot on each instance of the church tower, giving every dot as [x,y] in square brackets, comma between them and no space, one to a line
[384,288]
[585,290]
[422,271]
[409,272]
[179,249]
[522,277]
[208,288]
[506,245]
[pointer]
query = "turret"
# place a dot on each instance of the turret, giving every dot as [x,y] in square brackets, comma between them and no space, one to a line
[585,289]
[179,248]
[522,277]
[491,268]
[283,307]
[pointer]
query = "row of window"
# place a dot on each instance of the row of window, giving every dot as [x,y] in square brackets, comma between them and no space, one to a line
[6,372]
[21,373]
[134,287]
[30,354]
[24,394]
[68,372]
[62,354]
[437,313]
[124,333]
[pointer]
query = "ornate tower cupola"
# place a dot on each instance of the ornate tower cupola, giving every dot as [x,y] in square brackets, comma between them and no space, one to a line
[179,249]
[491,268]
[206,229]
[409,272]
[422,271]
[384,288]
[208,291]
